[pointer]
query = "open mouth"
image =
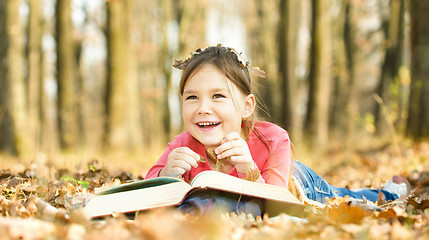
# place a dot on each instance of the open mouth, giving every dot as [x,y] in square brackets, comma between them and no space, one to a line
[207,124]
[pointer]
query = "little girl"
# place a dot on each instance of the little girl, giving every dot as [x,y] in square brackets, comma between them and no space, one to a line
[218,110]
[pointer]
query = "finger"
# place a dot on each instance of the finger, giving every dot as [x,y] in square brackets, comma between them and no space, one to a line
[232,152]
[182,157]
[243,163]
[188,151]
[177,171]
[181,164]
[230,136]
[186,154]
[229,145]
[174,171]
[239,159]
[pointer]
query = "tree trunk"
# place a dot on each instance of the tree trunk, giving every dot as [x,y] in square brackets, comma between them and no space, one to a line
[7,133]
[392,28]
[348,107]
[166,55]
[287,61]
[338,117]
[13,115]
[151,91]
[66,77]
[317,119]
[191,21]
[116,77]
[35,76]
[122,123]
[261,31]
[133,124]
[418,118]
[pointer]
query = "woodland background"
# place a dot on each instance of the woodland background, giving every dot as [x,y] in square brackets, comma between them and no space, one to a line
[88,98]
[96,75]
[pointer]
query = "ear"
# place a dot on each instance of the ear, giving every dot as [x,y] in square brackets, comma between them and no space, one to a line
[249,106]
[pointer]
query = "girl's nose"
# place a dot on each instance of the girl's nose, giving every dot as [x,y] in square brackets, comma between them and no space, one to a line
[204,108]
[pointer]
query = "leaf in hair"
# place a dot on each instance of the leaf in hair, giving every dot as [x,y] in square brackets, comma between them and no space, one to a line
[180,64]
[258,72]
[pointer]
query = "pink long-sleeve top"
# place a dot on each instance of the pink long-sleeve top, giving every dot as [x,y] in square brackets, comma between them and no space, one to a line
[274,164]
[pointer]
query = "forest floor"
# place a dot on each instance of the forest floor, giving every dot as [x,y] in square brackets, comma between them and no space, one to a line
[65,182]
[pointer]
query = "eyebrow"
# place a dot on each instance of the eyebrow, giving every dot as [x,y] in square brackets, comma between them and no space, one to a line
[219,90]
[188,91]
[211,90]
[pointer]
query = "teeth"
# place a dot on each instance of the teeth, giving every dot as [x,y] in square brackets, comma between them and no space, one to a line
[206,124]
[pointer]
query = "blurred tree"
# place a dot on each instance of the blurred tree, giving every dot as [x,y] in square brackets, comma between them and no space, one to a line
[393,29]
[150,59]
[165,59]
[13,115]
[115,108]
[7,141]
[80,89]
[191,18]
[344,111]
[339,120]
[262,26]
[287,61]
[66,77]
[316,122]
[133,106]
[122,123]
[35,99]
[418,118]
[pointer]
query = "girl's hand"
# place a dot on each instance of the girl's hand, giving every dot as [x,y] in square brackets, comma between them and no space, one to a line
[179,161]
[236,148]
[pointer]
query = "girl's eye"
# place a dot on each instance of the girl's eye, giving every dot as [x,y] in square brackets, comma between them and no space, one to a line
[191,97]
[217,95]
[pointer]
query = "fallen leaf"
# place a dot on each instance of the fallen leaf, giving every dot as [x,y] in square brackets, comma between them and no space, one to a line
[345,213]
[422,204]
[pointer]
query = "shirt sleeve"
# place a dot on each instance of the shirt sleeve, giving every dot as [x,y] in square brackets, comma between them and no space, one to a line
[159,165]
[276,169]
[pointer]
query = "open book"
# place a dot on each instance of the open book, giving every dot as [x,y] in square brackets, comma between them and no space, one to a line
[168,191]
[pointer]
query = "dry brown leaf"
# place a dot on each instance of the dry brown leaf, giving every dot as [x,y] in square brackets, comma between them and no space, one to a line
[219,162]
[14,182]
[338,200]
[422,204]
[381,199]
[18,228]
[253,175]
[345,213]
[202,159]
[339,220]
[392,213]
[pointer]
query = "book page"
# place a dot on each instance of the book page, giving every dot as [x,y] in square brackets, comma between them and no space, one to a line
[222,181]
[153,182]
[139,199]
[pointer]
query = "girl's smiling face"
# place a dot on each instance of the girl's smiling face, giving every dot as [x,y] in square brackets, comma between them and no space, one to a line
[212,106]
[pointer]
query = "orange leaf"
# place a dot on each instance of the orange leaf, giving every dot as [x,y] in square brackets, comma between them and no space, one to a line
[344,213]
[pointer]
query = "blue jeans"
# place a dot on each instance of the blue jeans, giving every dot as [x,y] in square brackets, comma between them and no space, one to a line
[317,189]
